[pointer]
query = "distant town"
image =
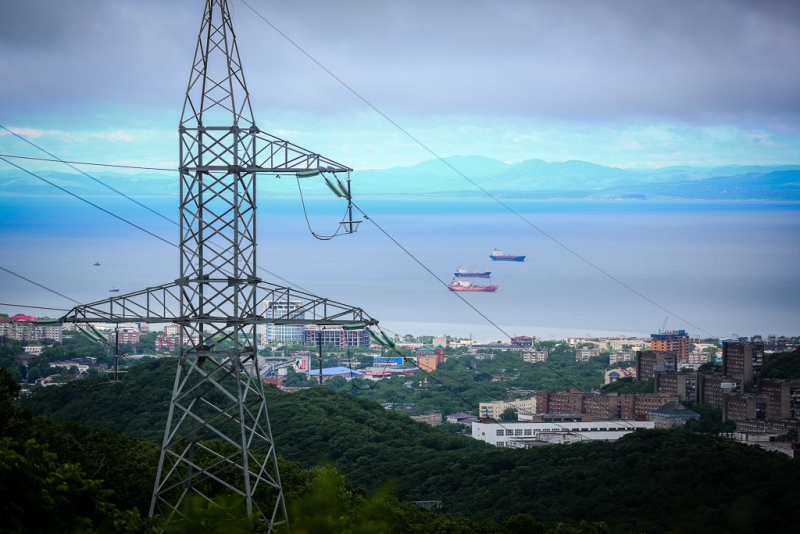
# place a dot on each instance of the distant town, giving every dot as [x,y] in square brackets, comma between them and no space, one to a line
[670,379]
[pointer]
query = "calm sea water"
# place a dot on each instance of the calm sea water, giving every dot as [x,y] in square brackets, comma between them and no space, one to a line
[723,267]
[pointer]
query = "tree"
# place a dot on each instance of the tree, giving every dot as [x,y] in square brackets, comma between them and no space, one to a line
[509,414]
[337,382]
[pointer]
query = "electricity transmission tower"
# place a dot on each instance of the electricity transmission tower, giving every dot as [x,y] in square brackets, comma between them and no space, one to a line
[218,435]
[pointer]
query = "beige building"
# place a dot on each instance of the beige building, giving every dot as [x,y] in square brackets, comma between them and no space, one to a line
[494,409]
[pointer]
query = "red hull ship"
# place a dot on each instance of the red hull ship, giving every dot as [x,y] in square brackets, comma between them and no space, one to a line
[465,285]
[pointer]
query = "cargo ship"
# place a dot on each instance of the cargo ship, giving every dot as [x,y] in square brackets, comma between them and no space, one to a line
[463,272]
[497,255]
[465,285]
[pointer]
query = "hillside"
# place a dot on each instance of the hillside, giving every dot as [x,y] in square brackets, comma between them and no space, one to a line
[650,481]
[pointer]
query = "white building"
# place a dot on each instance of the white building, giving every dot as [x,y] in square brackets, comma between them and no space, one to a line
[528,433]
[535,356]
[283,333]
[617,357]
[583,355]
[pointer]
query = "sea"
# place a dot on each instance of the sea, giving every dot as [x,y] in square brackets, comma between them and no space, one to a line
[592,268]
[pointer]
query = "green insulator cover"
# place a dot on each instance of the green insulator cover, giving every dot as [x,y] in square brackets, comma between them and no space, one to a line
[333,188]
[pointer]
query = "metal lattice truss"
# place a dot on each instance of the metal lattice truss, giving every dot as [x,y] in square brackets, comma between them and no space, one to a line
[162,304]
[218,436]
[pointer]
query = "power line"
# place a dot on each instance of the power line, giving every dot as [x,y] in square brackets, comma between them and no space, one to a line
[490,195]
[126,220]
[162,169]
[89,202]
[37,284]
[88,175]
[30,305]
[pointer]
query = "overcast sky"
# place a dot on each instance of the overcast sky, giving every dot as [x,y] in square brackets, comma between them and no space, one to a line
[639,83]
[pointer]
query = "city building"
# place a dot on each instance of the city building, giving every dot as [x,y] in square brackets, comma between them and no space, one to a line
[530,433]
[676,341]
[330,372]
[696,359]
[495,409]
[427,362]
[535,356]
[650,361]
[462,418]
[525,342]
[743,360]
[29,328]
[746,406]
[583,355]
[619,357]
[431,418]
[444,341]
[336,336]
[712,388]
[612,375]
[783,395]
[671,414]
[683,385]
[283,333]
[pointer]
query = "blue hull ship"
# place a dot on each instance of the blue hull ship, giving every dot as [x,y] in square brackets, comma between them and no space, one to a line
[497,255]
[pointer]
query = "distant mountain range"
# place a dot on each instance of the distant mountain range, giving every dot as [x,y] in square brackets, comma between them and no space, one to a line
[535,179]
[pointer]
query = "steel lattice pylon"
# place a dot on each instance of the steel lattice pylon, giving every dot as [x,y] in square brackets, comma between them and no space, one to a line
[218,435]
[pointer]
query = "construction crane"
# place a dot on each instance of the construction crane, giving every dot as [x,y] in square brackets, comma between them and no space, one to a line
[664,326]
[217,435]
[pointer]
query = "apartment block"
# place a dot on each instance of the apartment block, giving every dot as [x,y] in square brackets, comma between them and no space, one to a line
[27,328]
[682,385]
[618,357]
[535,356]
[712,388]
[583,355]
[783,395]
[650,361]
[283,333]
[741,407]
[494,409]
[744,360]
[676,341]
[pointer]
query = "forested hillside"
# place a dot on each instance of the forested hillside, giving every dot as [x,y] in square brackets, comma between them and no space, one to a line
[650,481]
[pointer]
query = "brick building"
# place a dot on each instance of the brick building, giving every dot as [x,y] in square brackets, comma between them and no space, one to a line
[783,395]
[612,405]
[682,385]
[676,341]
[741,407]
[711,388]
[650,361]
[743,360]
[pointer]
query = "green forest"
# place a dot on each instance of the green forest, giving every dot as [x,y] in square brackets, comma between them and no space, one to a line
[649,481]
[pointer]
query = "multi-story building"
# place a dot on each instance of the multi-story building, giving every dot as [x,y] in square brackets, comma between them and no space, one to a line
[741,407]
[676,341]
[529,433]
[696,359]
[583,355]
[170,341]
[683,385]
[783,395]
[337,336]
[535,356]
[444,341]
[744,360]
[283,333]
[711,388]
[672,414]
[650,361]
[612,375]
[427,362]
[525,342]
[569,401]
[29,328]
[495,409]
[618,357]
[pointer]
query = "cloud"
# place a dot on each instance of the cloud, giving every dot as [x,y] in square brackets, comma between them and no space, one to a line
[119,135]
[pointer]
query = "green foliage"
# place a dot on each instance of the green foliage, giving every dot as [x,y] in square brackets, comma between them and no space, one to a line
[509,414]
[784,365]
[710,421]
[224,514]
[298,380]
[662,481]
[710,368]
[629,385]
[39,494]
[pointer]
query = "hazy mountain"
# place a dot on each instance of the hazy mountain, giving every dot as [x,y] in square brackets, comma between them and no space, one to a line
[527,179]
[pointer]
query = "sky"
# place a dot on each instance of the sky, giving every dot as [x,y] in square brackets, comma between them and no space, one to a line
[622,83]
